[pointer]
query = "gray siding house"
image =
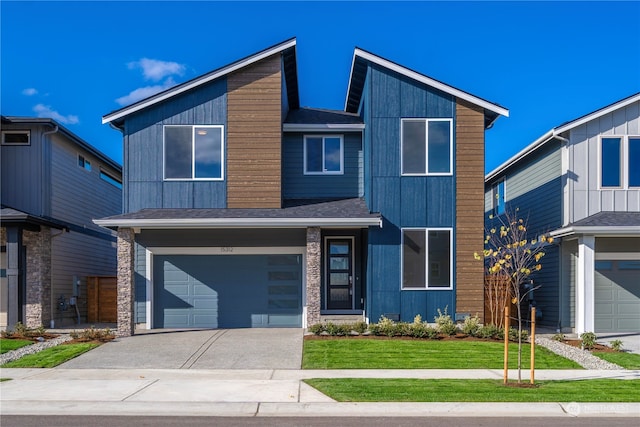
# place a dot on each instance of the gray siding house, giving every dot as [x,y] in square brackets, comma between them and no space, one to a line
[580,181]
[53,184]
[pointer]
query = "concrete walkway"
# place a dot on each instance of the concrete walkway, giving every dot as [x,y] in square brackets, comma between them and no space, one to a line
[259,392]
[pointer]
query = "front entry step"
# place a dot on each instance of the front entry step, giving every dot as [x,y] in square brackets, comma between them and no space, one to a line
[341,319]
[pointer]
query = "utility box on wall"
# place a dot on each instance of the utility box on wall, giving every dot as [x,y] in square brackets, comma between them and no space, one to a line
[102,302]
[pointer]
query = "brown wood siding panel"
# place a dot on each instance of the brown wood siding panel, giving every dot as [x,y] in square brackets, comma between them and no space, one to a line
[254,136]
[469,208]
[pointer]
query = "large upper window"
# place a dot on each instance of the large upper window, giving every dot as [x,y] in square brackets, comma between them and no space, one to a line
[16,137]
[619,160]
[323,155]
[426,146]
[193,152]
[426,258]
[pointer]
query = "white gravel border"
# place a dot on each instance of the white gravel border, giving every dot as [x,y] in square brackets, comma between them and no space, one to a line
[12,355]
[582,357]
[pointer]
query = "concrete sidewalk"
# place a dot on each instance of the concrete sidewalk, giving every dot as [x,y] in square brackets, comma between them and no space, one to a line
[260,392]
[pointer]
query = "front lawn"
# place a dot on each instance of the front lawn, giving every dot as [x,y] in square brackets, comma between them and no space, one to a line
[450,390]
[626,360]
[8,345]
[51,357]
[361,353]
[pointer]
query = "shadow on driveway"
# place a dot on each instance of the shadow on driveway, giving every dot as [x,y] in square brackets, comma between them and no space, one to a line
[198,349]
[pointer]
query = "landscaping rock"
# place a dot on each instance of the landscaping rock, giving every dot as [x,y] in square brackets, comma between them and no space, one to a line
[10,356]
[582,357]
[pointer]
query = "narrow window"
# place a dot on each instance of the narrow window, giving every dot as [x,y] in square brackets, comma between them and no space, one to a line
[610,162]
[323,155]
[633,163]
[193,152]
[110,179]
[499,198]
[426,146]
[84,163]
[426,258]
[16,137]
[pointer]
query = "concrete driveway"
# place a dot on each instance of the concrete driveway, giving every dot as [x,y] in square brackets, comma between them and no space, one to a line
[199,349]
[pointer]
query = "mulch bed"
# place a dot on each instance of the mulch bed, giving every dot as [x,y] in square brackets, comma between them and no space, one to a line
[596,347]
[34,338]
[458,337]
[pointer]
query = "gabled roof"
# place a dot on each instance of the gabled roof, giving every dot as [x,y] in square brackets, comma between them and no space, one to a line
[14,120]
[358,73]
[315,119]
[555,133]
[287,48]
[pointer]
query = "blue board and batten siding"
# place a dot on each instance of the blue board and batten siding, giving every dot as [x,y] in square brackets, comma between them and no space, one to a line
[410,201]
[297,185]
[143,151]
[539,179]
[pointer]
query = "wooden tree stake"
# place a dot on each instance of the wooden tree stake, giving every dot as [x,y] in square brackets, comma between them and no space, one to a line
[506,343]
[533,344]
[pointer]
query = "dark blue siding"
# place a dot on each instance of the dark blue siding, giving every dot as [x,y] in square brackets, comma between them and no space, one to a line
[297,185]
[143,145]
[402,201]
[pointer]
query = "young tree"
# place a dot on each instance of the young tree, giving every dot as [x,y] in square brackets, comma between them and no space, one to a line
[510,255]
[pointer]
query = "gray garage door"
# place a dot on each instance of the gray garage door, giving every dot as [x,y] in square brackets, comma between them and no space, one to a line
[617,296]
[227,291]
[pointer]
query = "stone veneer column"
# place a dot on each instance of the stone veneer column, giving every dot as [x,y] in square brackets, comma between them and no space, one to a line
[38,277]
[126,291]
[313,275]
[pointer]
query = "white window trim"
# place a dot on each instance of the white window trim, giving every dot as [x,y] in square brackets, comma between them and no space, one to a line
[625,159]
[193,153]
[323,172]
[426,142]
[427,262]
[622,160]
[24,132]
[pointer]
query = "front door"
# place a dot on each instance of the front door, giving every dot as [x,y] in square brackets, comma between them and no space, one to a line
[339,274]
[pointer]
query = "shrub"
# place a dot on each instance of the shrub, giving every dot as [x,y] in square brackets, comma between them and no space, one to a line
[384,326]
[316,329]
[489,331]
[588,340]
[558,337]
[616,345]
[471,326]
[422,330]
[93,334]
[359,327]
[513,334]
[445,324]
[337,329]
[21,330]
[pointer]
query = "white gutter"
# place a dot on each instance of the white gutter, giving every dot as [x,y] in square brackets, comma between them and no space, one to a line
[197,82]
[240,222]
[296,127]
[600,231]
[426,80]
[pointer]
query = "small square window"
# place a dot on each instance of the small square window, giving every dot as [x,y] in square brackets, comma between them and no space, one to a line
[84,163]
[16,137]
[323,155]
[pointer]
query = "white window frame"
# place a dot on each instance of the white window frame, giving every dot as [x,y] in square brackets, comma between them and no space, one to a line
[625,159]
[22,132]
[427,261]
[622,162]
[494,199]
[426,142]
[86,163]
[193,154]
[324,171]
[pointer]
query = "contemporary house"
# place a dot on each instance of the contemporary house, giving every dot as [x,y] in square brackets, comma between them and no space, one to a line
[53,184]
[580,181]
[242,209]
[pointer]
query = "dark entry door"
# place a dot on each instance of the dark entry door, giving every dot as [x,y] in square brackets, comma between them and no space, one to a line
[339,274]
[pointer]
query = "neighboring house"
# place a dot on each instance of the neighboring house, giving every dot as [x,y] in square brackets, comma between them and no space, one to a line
[242,209]
[52,185]
[581,182]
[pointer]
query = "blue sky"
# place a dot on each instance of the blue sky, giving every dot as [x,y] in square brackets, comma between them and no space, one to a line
[547,62]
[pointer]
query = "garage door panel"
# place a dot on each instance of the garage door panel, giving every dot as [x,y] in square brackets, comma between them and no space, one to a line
[228,291]
[617,296]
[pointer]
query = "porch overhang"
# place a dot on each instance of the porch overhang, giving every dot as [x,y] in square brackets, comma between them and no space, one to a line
[602,224]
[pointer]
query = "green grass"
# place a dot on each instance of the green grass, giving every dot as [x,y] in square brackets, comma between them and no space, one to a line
[8,345]
[626,360]
[449,390]
[427,354]
[51,357]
